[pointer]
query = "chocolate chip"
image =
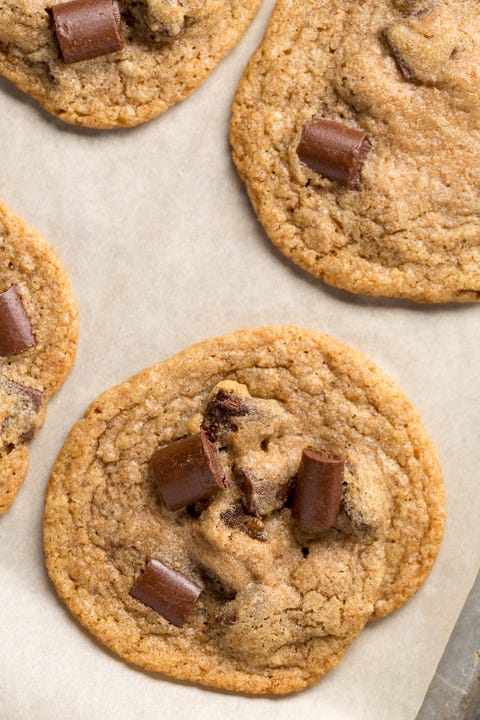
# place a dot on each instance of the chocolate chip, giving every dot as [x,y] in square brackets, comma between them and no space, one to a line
[25,404]
[254,529]
[166,591]
[334,150]
[31,402]
[87,28]
[187,470]
[233,517]
[226,617]
[28,435]
[236,518]
[220,412]
[15,328]
[318,490]
[31,397]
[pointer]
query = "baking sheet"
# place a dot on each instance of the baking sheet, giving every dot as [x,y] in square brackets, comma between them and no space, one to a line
[163,250]
[455,688]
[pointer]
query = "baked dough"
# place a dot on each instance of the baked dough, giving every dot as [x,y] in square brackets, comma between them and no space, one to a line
[406,73]
[29,379]
[280,605]
[170,47]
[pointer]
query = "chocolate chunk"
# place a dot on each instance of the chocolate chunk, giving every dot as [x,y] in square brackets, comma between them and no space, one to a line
[31,397]
[187,470]
[226,617]
[254,529]
[23,404]
[334,150]
[87,28]
[233,517]
[15,328]
[220,411]
[28,435]
[318,490]
[236,518]
[260,495]
[166,591]
[30,403]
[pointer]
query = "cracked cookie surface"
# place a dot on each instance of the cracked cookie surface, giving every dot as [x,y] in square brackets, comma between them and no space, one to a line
[280,605]
[28,379]
[407,74]
[169,49]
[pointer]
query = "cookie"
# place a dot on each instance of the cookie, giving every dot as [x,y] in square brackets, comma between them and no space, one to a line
[178,525]
[102,64]
[38,336]
[355,130]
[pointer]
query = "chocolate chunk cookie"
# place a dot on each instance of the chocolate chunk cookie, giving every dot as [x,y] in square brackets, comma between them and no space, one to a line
[356,131]
[38,336]
[105,64]
[175,527]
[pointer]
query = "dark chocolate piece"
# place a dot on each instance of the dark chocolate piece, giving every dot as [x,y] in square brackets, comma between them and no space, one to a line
[166,591]
[226,617]
[28,435]
[30,403]
[24,404]
[31,398]
[318,490]
[235,517]
[87,28]
[187,470]
[220,412]
[334,150]
[15,328]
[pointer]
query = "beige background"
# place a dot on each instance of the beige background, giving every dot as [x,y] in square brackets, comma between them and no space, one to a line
[163,250]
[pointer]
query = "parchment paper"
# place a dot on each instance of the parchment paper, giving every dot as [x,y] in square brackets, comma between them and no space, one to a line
[163,250]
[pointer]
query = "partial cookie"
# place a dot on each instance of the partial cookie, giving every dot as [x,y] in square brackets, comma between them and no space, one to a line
[38,337]
[105,64]
[355,129]
[177,524]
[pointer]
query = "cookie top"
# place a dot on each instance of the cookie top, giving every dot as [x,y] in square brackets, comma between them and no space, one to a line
[169,47]
[404,73]
[34,286]
[279,603]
